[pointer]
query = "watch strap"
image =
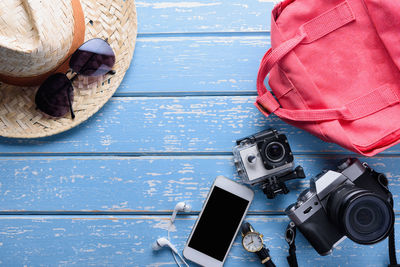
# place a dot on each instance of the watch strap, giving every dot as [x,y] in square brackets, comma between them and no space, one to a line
[246,227]
[265,258]
[263,254]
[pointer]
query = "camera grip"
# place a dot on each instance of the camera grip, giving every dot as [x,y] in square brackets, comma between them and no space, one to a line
[320,232]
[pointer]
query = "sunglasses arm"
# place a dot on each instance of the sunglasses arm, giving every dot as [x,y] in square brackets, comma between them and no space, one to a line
[111,72]
[74,77]
[70,105]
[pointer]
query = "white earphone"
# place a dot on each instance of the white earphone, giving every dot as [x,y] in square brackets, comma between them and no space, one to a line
[181,206]
[164,242]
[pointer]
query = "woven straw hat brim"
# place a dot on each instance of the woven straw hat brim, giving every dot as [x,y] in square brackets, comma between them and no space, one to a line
[112,19]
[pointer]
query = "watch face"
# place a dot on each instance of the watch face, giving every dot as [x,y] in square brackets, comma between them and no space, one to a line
[252,242]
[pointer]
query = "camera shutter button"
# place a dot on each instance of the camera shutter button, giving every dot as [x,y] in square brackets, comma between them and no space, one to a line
[304,196]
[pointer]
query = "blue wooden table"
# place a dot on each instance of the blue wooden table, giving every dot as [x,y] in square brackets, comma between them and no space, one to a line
[101,193]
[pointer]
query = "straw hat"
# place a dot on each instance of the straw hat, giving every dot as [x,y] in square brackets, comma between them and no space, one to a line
[36,37]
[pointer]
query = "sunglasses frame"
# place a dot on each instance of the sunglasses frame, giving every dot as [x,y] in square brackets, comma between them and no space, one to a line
[75,75]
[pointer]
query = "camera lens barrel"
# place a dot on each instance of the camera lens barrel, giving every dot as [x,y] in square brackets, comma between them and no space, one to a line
[275,151]
[365,217]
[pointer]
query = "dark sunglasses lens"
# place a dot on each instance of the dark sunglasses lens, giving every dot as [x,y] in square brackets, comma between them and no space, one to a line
[93,58]
[52,95]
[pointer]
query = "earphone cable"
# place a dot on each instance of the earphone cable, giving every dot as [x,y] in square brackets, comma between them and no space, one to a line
[173,254]
[176,261]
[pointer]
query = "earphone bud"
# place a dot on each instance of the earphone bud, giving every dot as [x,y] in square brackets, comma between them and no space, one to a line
[163,242]
[181,206]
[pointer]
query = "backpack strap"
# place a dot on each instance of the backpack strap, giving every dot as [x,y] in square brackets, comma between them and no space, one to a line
[380,98]
[314,29]
[310,31]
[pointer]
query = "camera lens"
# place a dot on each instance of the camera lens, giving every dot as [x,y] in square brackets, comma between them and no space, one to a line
[275,151]
[365,217]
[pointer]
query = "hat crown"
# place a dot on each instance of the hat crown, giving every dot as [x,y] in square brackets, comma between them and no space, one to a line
[35,36]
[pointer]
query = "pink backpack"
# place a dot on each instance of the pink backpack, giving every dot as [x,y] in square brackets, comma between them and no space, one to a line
[335,71]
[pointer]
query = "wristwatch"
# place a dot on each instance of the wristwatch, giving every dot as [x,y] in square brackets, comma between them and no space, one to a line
[252,241]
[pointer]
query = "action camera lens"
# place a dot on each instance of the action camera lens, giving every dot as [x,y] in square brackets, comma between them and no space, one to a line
[275,151]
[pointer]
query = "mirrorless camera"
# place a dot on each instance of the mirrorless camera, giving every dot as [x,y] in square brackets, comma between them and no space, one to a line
[265,158]
[352,202]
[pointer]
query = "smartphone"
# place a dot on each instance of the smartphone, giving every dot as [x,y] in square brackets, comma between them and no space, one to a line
[218,223]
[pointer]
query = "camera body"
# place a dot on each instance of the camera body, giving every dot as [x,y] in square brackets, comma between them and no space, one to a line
[265,158]
[352,202]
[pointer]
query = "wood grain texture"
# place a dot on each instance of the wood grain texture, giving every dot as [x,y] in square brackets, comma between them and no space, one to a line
[169,124]
[101,193]
[158,16]
[146,184]
[126,240]
[192,64]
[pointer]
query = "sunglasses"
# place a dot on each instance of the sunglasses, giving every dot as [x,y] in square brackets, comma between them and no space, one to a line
[56,94]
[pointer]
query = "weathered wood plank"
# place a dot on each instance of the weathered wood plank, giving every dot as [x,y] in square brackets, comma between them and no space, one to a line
[169,124]
[195,64]
[122,241]
[184,48]
[157,16]
[145,185]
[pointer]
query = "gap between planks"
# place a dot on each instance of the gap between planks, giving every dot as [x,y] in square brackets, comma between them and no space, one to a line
[204,34]
[124,155]
[186,94]
[131,213]
[123,213]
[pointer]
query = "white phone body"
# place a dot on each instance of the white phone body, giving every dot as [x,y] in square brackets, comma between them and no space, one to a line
[192,249]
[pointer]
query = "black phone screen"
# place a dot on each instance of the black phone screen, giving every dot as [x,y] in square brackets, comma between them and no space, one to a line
[218,223]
